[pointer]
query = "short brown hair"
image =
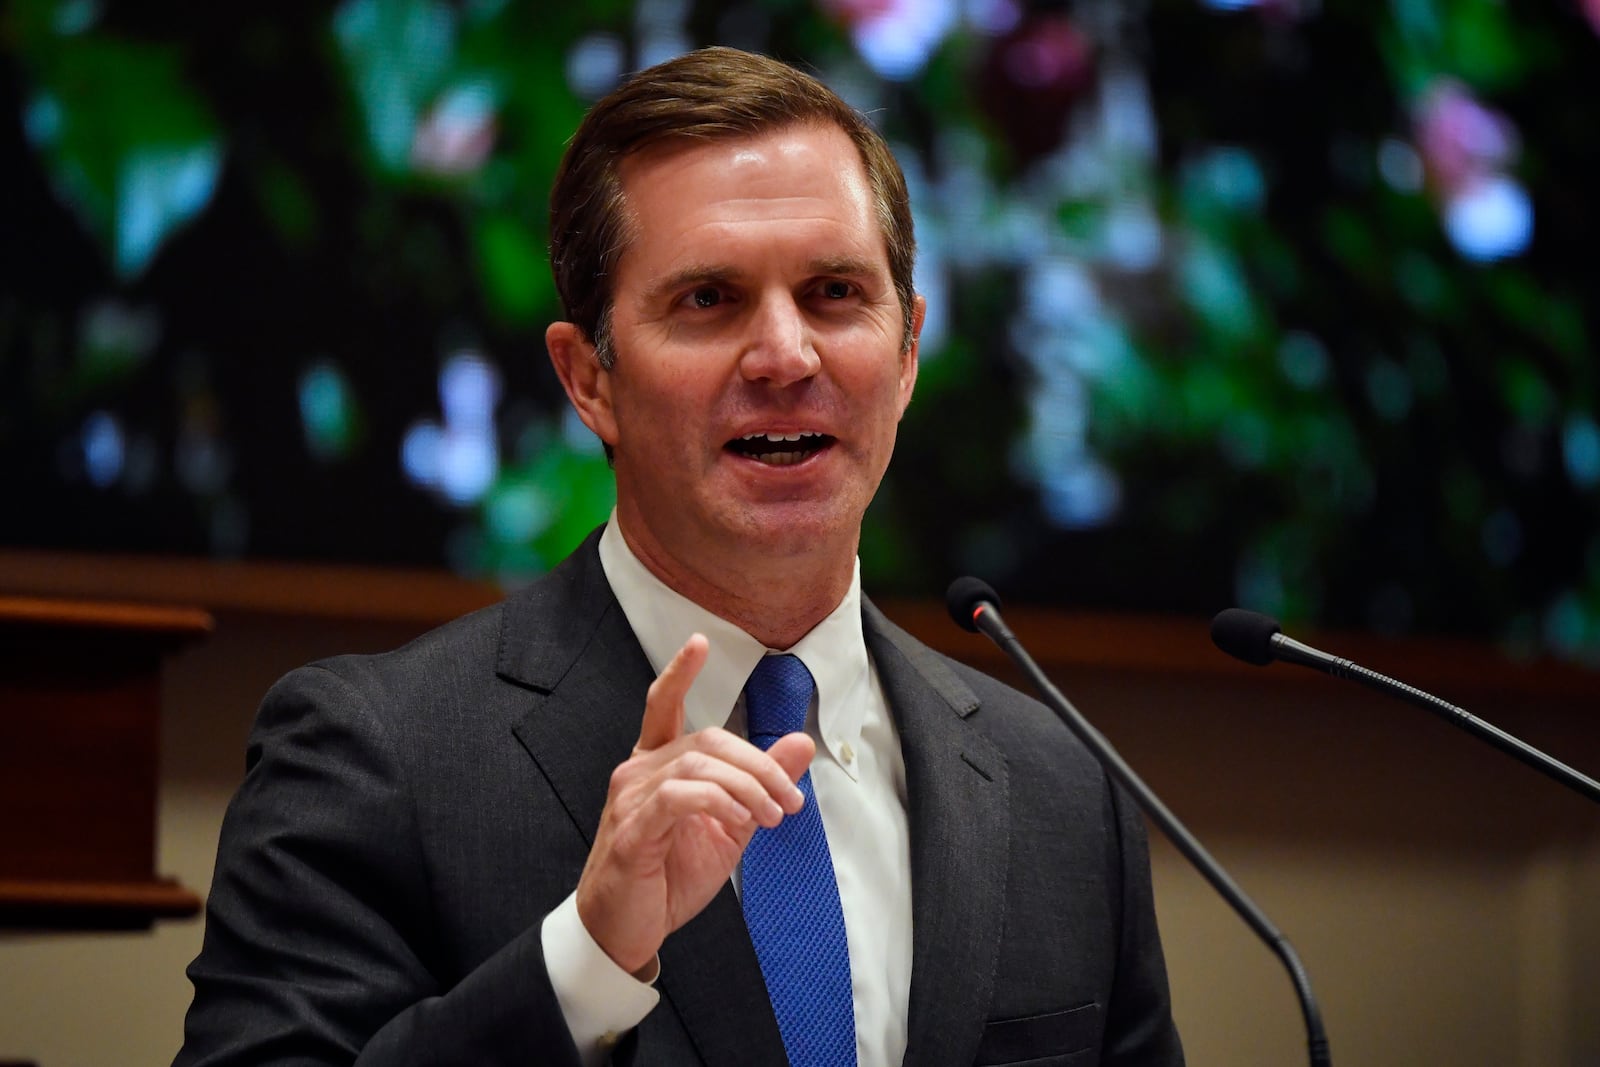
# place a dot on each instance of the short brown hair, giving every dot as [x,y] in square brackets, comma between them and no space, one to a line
[709,94]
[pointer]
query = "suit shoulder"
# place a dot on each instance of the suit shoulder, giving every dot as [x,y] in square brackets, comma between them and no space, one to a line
[468,640]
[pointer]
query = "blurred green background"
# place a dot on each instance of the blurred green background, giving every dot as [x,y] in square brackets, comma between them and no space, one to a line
[1269,303]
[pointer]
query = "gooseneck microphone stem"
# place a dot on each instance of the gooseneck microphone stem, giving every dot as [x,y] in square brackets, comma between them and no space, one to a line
[986,617]
[1288,649]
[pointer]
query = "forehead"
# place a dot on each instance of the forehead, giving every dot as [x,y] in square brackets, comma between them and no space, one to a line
[786,178]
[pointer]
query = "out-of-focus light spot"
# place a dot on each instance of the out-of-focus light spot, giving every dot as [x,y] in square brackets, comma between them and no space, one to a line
[1228,176]
[159,189]
[660,14]
[1216,287]
[104,449]
[1059,423]
[420,451]
[993,17]
[1502,537]
[1077,490]
[660,47]
[469,390]
[896,37]
[458,132]
[1580,447]
[468,464]
[1389,389]
[42,119]
[398,54]
[325,411]
[1490,219]
[1230,5]
[931,279]
[76,16]
[459,460]
[517,514]
[1058,291]
[1127,117]
[1567,625]
[1133,238]
[1303,358]
[1081,494]
[1591,11]
[595,65]
[1400,165]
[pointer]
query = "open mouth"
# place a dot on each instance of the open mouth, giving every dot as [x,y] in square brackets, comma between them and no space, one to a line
[779,449]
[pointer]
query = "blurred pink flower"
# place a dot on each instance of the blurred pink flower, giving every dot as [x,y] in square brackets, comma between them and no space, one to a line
[1461,140]
[1031,79]
[852,12]
[457,134]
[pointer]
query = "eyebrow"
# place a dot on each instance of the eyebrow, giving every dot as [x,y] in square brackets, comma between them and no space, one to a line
[683,277]
[716,273]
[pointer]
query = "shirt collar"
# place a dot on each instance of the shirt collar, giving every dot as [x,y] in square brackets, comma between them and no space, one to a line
[834,650]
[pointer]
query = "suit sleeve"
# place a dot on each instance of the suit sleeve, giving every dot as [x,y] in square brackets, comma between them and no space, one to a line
[320,947]
[1139,1026]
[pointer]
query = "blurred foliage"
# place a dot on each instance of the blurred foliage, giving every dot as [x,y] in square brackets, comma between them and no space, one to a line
[1207,330]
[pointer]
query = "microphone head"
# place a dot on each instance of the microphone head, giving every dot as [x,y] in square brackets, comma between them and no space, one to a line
[1246,635]
[963,598]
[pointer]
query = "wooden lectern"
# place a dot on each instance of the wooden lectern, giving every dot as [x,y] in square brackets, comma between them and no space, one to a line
[80,704]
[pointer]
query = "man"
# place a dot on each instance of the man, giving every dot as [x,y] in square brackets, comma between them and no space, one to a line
[539,834]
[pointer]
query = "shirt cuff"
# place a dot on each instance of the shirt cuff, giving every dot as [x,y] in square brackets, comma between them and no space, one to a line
[599,1000]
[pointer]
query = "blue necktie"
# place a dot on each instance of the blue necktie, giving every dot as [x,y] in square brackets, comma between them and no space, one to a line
[790,898]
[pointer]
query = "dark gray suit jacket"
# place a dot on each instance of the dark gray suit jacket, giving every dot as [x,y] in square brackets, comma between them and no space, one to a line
[407,820]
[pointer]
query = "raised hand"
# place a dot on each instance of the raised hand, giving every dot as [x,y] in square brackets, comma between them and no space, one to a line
[678,815]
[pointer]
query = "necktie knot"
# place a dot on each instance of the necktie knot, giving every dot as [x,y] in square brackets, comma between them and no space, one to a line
[776,698]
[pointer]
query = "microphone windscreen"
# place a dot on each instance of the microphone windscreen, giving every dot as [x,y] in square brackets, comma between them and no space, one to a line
[963,598]
[1245,635]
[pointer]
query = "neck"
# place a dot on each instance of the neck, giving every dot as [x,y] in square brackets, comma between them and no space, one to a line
[791,595]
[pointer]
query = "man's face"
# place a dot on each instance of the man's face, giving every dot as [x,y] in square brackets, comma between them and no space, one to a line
[760,374]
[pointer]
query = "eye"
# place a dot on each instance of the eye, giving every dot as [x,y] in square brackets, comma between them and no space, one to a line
[705,297]
[836,290]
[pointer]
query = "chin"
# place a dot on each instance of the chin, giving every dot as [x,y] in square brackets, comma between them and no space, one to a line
[796,531]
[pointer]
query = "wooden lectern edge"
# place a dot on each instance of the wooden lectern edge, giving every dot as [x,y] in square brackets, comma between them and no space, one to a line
[55,902]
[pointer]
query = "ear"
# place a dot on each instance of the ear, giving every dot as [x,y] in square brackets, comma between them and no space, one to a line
[908,359]
[588,384]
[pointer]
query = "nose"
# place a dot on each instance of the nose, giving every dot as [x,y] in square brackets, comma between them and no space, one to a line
[779,346]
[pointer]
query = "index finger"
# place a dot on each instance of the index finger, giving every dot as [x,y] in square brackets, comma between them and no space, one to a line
[663,705]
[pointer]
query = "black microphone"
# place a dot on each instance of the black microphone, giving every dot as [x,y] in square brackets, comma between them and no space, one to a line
[1258,639]
[974,606]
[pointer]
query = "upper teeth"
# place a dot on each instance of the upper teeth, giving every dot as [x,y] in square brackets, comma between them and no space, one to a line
[776,437]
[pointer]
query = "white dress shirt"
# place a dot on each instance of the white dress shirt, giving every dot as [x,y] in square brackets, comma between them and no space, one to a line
[858,775]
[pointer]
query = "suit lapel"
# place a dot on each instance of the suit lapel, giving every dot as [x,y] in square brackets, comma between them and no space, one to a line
[566,639]
[958,796]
